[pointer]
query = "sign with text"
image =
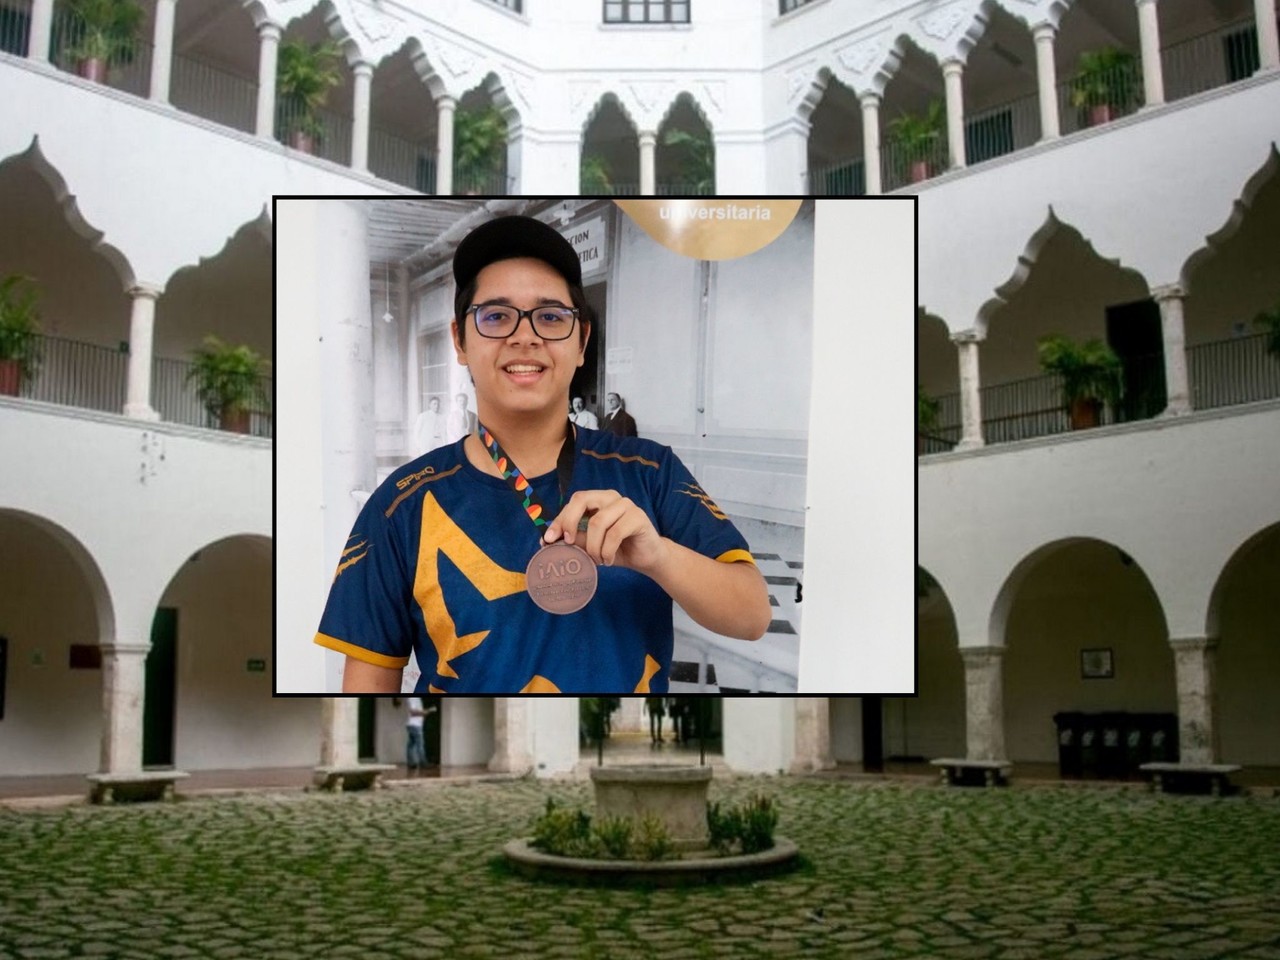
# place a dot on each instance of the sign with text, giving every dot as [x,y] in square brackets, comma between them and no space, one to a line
[589,239]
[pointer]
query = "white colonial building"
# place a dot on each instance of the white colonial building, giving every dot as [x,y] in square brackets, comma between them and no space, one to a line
[1143,553]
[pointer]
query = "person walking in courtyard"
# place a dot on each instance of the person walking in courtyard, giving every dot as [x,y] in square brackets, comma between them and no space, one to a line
[416,748]
[656,708]
[498,559]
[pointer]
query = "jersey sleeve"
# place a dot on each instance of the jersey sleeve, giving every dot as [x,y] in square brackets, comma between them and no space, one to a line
[367,614]
[687,515]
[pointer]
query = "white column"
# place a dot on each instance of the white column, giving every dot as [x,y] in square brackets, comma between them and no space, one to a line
[162,54]
[512,736]
[1193,665]
[871,142]
[984,702]
[1264,15]
[812,736]
[444,145]
[970,398]
[141,326]
[1047,80]
[123,686]
[1149,37]
[1177,388]
[952,78]
[363,73]
[268,47]
[339,732]
[648,178]
[41,30]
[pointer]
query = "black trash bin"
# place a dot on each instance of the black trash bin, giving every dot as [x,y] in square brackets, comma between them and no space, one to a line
[1137,743]
[1164,738]
[1069,722]
[1111,754]
[1090,745]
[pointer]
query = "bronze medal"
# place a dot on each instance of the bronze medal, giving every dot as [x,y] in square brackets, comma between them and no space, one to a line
[561,578]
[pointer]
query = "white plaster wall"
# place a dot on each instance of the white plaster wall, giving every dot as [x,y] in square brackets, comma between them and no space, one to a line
[116,154]
[759,733]
[466,731]
[999,205]
[859,605]
[555,735]
[52,714]
[1174,478]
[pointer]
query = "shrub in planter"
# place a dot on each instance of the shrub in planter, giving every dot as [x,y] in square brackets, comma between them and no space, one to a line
[1092,376]
[19,332]
[305,73]
[916,138]
[229,382]
[1106,84]
[1269,321]
[100,34]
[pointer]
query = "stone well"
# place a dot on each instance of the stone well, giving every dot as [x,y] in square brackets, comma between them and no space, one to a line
[675,795]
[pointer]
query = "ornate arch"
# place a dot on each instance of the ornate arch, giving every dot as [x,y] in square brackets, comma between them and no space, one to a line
[1235,218]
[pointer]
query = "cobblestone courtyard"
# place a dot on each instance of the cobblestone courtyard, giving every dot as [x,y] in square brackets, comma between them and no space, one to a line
[892,870]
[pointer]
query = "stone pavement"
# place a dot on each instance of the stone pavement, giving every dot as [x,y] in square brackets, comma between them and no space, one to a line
[892,870]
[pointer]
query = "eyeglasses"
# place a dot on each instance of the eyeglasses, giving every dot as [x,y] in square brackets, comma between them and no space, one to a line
[499,320]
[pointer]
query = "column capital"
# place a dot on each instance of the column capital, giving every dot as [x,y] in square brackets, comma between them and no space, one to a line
[124,649]
[1044,31]
[151,291]
[1144,3]
[979,655]
[1193,644]
[268,30]
[446,102]
[362,68]
[1168,291]
[870,99]
[952,67]
[966,337]
[647,137]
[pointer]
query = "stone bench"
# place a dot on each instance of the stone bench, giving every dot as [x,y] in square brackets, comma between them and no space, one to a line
[134,785]
[958,771]
[358,776]
[1190,776]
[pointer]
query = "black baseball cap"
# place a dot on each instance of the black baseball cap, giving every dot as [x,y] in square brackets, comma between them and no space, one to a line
[506,237]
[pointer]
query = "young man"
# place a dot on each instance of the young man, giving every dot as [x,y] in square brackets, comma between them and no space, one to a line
[533,556]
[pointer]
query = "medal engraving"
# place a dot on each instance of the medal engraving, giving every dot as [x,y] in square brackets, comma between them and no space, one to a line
[561,578]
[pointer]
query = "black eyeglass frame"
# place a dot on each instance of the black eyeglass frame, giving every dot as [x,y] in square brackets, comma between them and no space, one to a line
[520,315]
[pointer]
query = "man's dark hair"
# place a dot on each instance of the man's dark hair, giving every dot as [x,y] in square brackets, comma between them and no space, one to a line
[578,296]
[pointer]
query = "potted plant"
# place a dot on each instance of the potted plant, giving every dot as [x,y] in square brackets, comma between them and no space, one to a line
[916,137]
[926,417]
[1269,321]
[697,161]
[305,73]
[19,332]
[100,34]
[229,382]
[1091,373]
[1106,83]
[478,140]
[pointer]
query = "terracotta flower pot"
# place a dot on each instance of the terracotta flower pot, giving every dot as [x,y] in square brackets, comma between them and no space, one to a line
[303,142]
[10,378]
[1099,114]
[94,69]
[235,420]
[1085,413]
[919,171]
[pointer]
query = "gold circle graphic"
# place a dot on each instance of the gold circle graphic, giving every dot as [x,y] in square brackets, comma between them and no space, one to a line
[710,229]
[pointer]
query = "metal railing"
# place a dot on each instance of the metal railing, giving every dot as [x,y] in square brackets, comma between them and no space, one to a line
[214,94]
[844,178]
[899,166]
[15,27]
[669,189]
[321,133]
[1220,373]
[127,66]
[1210,60]
[90,376]
[400,161]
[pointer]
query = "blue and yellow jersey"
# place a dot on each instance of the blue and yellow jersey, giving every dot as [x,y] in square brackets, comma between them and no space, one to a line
[436,565]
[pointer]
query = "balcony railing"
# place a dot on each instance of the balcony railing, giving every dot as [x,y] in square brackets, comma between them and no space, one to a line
[94,377]
[1221,373]
[15,27]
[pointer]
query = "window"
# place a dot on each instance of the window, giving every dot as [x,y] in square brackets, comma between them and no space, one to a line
[786,6]
[646,11]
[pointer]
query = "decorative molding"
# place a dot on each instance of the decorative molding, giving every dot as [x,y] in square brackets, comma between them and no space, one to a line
[798,79]
[714,91]
[861,55]
[942,23]
[582,92]
[519,88]
[457,62]
[648,94]
[375,25]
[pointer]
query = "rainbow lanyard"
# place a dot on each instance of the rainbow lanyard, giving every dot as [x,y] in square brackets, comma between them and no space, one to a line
[517,481]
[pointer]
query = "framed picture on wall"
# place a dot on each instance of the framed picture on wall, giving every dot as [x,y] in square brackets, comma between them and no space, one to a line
[1097,664]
